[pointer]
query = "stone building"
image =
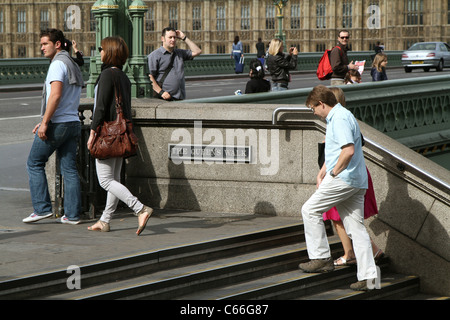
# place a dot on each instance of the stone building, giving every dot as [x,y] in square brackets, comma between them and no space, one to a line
[213,24]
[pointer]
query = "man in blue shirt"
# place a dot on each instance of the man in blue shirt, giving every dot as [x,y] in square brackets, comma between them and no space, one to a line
[341,183]
[59,131]
[171,85]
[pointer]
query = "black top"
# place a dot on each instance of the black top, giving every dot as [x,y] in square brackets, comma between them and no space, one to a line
[257,85]
[105,102]
[260,49]
[279,66]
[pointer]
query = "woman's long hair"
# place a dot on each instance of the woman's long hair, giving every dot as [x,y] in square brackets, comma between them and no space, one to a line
[274,47]
[379,58]
[257,69]
[236,40]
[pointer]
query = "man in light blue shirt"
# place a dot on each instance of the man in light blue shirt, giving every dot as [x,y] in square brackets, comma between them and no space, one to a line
[341,183]
[343,132]
[59,130]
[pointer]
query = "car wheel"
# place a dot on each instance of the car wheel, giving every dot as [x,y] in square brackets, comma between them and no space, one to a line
[440,66]
[408,70]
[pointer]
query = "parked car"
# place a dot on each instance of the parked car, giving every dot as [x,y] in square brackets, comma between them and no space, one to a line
[426,55]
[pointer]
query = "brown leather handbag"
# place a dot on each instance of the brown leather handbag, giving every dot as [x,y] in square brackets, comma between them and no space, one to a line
[116,138]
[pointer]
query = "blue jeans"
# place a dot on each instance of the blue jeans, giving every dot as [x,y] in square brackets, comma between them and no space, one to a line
[278,87]
[237,58]
[62,137]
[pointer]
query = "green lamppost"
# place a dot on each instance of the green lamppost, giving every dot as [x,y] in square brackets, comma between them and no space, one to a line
[280,4]
[123,18]
[138,60]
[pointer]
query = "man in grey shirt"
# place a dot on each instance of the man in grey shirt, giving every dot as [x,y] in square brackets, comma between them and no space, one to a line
[173,87]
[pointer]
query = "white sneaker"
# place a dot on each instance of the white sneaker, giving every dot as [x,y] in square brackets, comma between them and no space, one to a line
[35,217]
[65,220]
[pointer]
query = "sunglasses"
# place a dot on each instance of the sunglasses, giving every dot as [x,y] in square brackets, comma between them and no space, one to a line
[100,49]
[344,37]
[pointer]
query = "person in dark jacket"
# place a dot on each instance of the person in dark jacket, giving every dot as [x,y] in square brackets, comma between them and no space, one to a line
[378,71]
[279,64]
[257,83]
[260,49]
[67,45]
[114,53]
[339,60]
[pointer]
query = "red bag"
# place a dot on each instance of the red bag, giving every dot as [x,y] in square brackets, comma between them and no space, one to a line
[324,70]
[115,138]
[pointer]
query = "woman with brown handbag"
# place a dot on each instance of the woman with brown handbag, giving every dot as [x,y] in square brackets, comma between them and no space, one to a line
[114,53]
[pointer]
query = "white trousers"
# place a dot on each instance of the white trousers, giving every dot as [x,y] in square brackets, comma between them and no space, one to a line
[349,202]
[108,173]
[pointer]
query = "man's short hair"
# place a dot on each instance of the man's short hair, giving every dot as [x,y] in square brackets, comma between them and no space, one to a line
[53,35]
[343,30]
[321,93]
[167,29]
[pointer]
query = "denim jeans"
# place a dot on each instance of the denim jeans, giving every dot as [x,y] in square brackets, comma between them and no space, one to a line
[108,173]
[62,138]
[278,87]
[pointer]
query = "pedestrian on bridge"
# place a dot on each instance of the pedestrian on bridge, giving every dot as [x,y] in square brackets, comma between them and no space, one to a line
[339,59]
[166,65]
[342,182]
[237,53]
[379,64]
[59,131]
[370,209]
[257,83]
[113,53]
[279,64]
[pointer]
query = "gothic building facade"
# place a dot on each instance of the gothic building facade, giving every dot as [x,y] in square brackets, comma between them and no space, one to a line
[310,25]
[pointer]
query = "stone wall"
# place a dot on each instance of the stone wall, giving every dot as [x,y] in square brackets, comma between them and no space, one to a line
[412,192]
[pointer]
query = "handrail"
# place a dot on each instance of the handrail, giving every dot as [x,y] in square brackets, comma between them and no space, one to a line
[285,109]
[390,153]
[397,157]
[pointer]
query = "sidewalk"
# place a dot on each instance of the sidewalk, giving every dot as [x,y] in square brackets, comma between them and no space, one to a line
[47,245]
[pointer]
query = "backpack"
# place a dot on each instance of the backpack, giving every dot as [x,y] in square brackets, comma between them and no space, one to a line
[324,70]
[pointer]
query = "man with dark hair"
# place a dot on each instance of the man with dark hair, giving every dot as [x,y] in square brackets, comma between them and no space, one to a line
[339,60]
[166,65]
[341,183]
[59,131]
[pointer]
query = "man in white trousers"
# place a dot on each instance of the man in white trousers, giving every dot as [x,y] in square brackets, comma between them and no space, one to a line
[341,183]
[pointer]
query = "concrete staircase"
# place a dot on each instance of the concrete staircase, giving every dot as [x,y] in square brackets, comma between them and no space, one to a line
[262,265]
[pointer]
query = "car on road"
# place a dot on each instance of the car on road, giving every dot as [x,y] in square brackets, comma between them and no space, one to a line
[426,55]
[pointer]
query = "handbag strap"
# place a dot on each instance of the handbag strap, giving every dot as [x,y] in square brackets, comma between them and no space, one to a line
[172,58]
[118,97]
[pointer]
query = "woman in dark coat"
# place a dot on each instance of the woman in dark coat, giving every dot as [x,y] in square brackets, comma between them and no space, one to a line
[279,64]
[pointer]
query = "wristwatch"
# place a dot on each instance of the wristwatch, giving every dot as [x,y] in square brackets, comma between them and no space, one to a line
[332,173]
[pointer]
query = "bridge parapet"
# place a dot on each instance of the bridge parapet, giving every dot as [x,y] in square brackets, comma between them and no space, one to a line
[33,70]
[415,112]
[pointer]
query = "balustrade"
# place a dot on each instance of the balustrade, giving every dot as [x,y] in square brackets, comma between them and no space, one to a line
[33,70]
